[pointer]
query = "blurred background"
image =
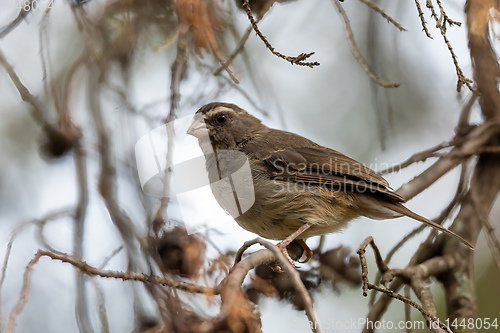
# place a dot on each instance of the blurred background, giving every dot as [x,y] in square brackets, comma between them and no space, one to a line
[62,49]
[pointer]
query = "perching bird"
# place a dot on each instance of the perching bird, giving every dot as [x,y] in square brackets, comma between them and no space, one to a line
[300,188]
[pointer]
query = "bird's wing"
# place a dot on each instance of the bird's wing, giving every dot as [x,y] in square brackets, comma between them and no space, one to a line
[327,168]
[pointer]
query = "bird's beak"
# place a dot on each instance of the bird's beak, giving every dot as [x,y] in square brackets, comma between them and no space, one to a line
[198,128]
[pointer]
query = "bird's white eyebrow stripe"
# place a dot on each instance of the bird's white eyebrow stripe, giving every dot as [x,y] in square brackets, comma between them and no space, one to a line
[219,109]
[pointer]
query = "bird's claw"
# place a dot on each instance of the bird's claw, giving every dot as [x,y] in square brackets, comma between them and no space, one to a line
[282,246]
[308,252]
[276,268]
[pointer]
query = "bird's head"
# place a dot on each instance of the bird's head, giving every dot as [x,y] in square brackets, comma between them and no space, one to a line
[227,125]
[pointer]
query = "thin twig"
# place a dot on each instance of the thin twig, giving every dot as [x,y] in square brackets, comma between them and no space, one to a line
[24,294]
[41,221]
[298,60]
[244,38]
[38,110]
[489,232]
[364,268]
[109,257]
[238,49]
[464,148]
[101,307]
[5,30]
[407,292]
[83,318]
[129,276]
[463,120]
[417,157]
[177,70]
[441,22]
[357,54]
[393,251]
[236,87]
[459,194]
[379,10]
[369,286]
[276,256]
[424,295]
[422,19]
[492,240]
[245,94]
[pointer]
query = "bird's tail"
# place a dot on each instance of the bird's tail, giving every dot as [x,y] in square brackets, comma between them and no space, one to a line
[398,208]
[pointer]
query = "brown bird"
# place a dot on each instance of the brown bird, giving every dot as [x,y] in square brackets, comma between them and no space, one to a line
[299,188]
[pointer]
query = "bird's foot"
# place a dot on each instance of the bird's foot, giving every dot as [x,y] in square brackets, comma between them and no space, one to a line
[298,248]
[282,246]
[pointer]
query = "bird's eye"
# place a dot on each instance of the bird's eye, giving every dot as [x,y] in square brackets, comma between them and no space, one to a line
[221,118]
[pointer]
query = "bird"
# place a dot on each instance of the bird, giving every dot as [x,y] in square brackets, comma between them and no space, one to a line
[300,188]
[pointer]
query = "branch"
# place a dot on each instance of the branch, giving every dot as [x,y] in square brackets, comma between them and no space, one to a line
[177,69]
[298,60]
[483,56]
[128,276]
[464,148]
[82,314]
[429,314]
[417,157]
[24,294]
[357,54]
[38,110]
[459,282]
[238,49]
[422,19]
[427,250]
[379,10]
[441,25]
[101,307]
[107,183]
[5,30]
[240,270]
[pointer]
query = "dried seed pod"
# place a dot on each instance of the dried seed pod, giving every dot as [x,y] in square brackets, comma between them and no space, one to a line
[181,253]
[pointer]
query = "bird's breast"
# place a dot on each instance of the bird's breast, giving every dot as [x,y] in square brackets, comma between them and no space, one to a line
[282,207]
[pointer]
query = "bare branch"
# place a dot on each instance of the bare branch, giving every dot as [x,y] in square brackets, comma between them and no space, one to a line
[101,307]
[379,10]
[464,147]
[484,58]
[407,292]
[245,36]
[238,49]
[298,60]
[128,276]
[367,285]
[489,232]
[38,109]
[441,25]
[24,294]
[463,122]
[357,54]
[418,157]
[177,69]
[240,270]
[422,19]
[5,30]
[107,173]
